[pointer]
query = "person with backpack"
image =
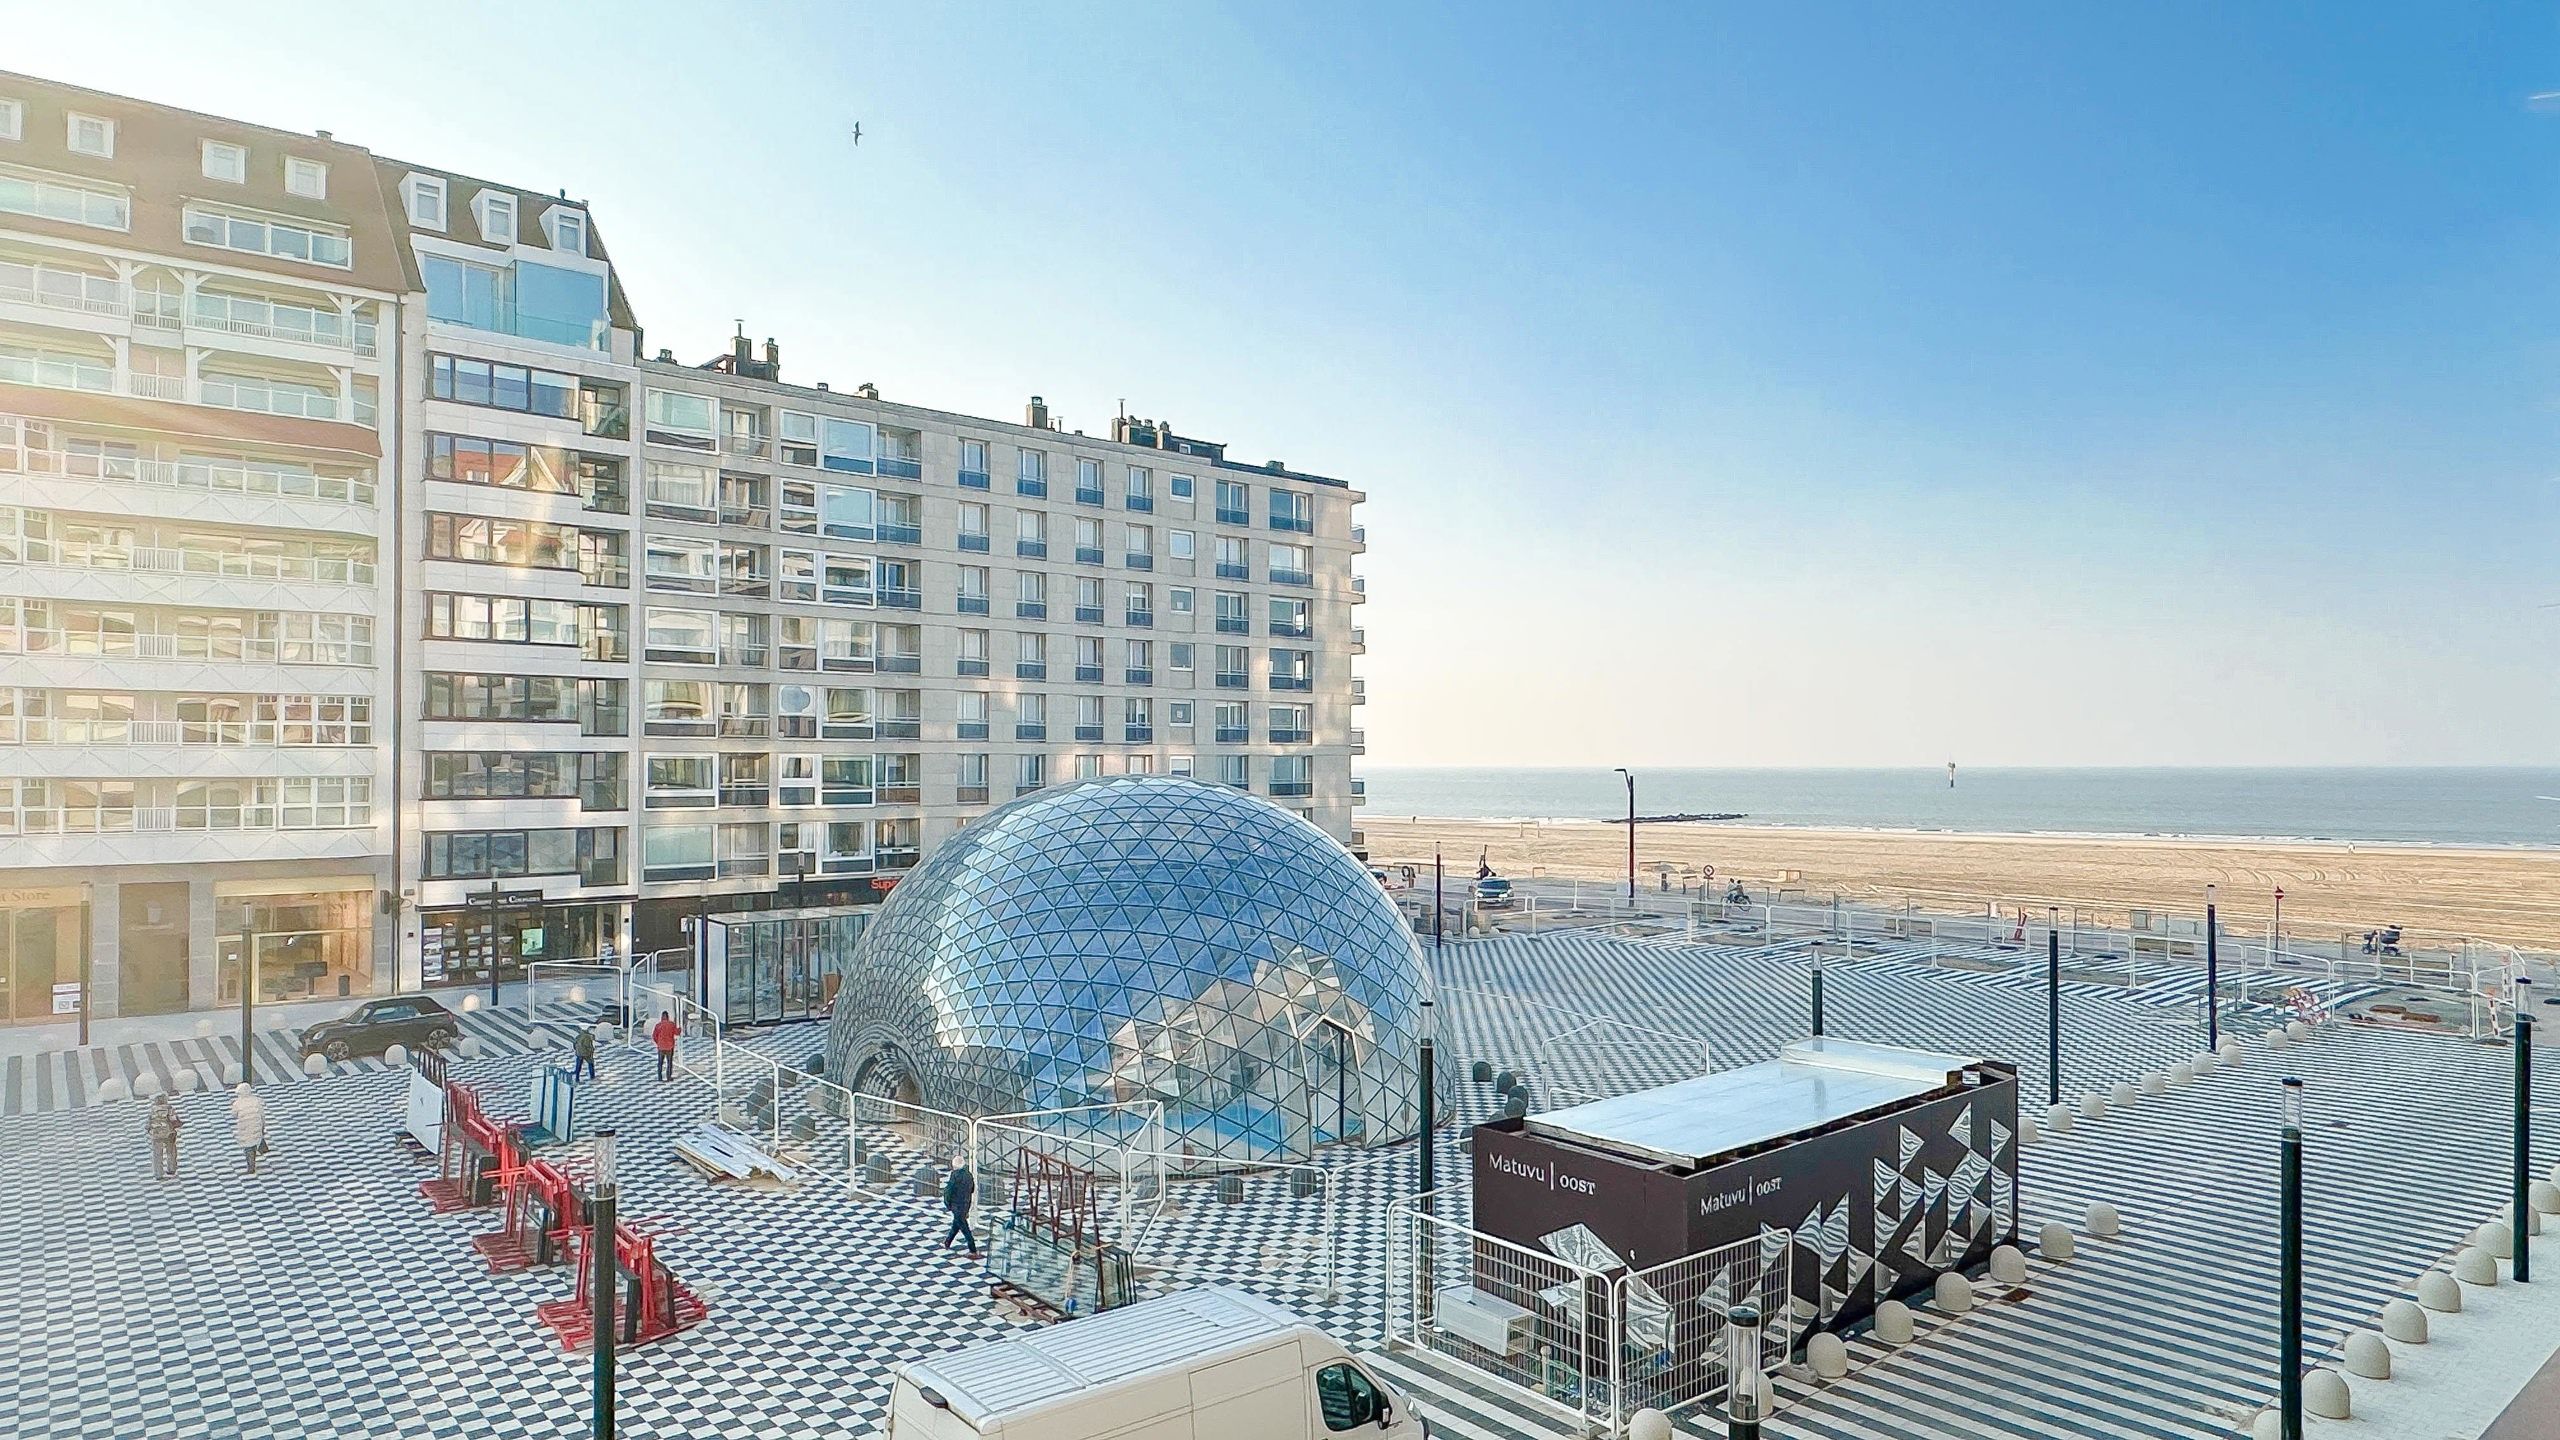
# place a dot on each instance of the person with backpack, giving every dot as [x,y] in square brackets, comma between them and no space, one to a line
[162,1127]
[584,1049]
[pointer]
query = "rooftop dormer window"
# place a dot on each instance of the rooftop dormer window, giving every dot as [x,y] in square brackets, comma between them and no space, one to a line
[567,229]
[424,196]
[226,162]
[13,117]
[497,215]
[91,135]
[306,178]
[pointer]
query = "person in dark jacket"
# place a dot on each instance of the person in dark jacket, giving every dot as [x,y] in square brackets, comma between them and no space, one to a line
[584,1048]
[959,1192]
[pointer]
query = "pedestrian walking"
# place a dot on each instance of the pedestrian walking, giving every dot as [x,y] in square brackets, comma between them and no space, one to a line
[163,1129]
[663,1035]
[584,1047]
[248,1124]
[959,1192]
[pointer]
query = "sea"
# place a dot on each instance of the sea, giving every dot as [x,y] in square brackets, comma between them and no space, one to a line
[2410,806]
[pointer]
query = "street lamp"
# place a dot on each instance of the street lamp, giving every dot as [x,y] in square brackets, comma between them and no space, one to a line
[248,1007]
[2519,1214]
[600,1222]
[2053,1004]
[2289,1266]
[1631,832]
[2212,975]
[1742,1372]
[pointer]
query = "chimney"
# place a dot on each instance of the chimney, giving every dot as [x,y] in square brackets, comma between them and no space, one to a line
[742,350]
[1036,414]
[867,390]
[773,357]
[1276,467]
[822,384]
[323,134]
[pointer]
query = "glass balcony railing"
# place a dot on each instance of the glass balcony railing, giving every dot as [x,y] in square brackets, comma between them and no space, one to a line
[1088,497]
[1088,554]
[975,544]
[975,480]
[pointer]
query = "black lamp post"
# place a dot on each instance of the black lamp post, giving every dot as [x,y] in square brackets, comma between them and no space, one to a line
[1817,992]
[2212,975]
[2053,1005]
[2519,1220]
[1631,832]
[496,892]
[2289,1266]
[248,1009]
[1742,1373]
[1437,939]
[600,1221]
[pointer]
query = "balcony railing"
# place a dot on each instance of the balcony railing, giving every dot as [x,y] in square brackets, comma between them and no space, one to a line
[1229,570]
[1142,619]
[1296,524]
[1030,609]
[1292,737]
[1086,496]
[1088,732]
[1359,741]
[738,867]
[1139,675]
[159,819]
[329,332]
[1359,534]
[975,480]
[1293,682]
[1292,789]
[79,298]
[971,729]
[970,604]
[1233,734]
[745,794]
[1089,614]
[901,467]
[974,543]
[970,795]
[117,645]
[745,727]
[42,730]
[1359,636]
[1036,489]
[225,564]
[900,599]
[1233,680]
[908,728]
[1088,674]
[216,477]
[1137,734]
[908,794]
[1088,554]
[1234,517]
[1234,625]
[904,859]
[1143,504]
[1031,549]
[1031,670]
[969,667]
[1291,629]
[890,534]
[1291,577]
[1138,562]
[902,664]
[1030,732]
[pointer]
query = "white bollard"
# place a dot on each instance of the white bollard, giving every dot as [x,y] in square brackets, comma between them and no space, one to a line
[2475,1266]
[396,1056]
[2054,1242]
[314,1066]
[2122,1095]
[2057,1119]
[2268,1426]
[2324,1393]
[2155,1083]
[230,1076]
[1828,1356]
[2101,1221]
[2492,1237]
[2029,1132]
[2403,1321]
[146,1085]
[2229,1052]
[2205,1062]
[2276,1038]
[2437,1292]
[2366,1357]
[1648,1424]
[470,1003]
[2183,1073]
[2297,1031]
[2008,1264]
[2093,1105]
[113,1088]
[189,1081]
[1893,1323]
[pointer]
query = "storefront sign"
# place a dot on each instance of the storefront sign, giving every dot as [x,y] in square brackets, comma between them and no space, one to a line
[42,897]
[884,883]
[66,998]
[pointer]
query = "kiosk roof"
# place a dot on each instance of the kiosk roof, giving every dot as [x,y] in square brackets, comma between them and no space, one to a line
[1812,1084]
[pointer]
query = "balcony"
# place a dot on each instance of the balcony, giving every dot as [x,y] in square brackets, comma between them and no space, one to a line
[900,794]
[1088,674]
[298,733]
[970,795]
[1031,732]
[1359,791]
[119,645]
[1292,789]
[1291,577]
[1234,625]
[1233,734]
[1292,737]
[1293,682]
[1233,680]
[846,727]
[1139,562]
[971,729]
[1137,734]
[1359,691]
[1031,549]
[746,727]
[1229,570]
[900,599]
[1026,485]
[1031,670]
[905,727]
[746,867]
[1359,742]
[745,794]
[1291,629]
[975,480]
[1294,524]
[891,534]
[1143,504]
[1234,517]
[1142,619]
[1088,497]
[901,467]
[899,859]
[975,544]
[177,819]
[902,664]
[1360,535]
[227,565]
[210,477]
[970,667]
[1139,675]
[1359,589]
[1025,788]
[1088,554]
[1359,638]
[1088,614]
[1089,732]
[1030,609]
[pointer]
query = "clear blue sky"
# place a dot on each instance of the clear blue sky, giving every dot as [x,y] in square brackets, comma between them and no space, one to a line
[1873,385]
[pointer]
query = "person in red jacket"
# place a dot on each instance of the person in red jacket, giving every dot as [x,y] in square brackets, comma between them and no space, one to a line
[663,1035]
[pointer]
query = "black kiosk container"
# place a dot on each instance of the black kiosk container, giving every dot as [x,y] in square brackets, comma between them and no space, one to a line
[1889,1167]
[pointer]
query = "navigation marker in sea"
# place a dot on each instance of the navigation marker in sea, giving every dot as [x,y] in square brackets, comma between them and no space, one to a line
[1951,774]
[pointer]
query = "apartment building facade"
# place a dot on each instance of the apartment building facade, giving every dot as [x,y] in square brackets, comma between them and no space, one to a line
[641,640]
[197,368]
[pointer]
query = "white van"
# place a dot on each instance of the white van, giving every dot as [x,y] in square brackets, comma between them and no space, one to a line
[1209,1364]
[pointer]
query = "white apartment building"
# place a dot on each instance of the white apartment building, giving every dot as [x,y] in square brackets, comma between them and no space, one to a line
[197,379]
[370,607]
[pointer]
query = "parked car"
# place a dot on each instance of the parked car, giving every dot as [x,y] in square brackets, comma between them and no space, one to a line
[1212,1363]
[1493,893]
[376,1025]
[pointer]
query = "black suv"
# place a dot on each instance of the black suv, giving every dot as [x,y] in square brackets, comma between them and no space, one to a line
[377,1025]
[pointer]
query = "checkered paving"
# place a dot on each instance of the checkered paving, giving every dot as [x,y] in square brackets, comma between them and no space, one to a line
[320,1297]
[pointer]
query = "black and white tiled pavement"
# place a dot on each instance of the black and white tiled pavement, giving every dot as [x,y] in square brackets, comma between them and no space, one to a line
[320,1297]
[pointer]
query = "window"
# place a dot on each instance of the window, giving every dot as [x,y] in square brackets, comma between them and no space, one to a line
[1031,534]
[568,230]
[973,464]
[91,135]
[1233,619]
[846,580]
[1031,656]
[502,387]
[75,204]
[495,540]
[1177,713]
[1291,775]
[1234,666]
[1181,544]
[1178,764]
[1181,599]
[1088,766]
[681,637]
[1031,596]
[1180,488]
[1181,659]
[425,201]
[1088,481]
[13,118]
[845,445]
[1142,492]
[679,782]
[677,491]
[972,599]
[690,422]
[972,715]
[1235,771]
[679,852]
[686,565]
[1088,541]
[497,215]
[973,526]
[1140,549]
[1031,476]
[226,162]
[1232,726]
[1293,510]
[1291,724]
[1234,562]
[973,779]
[1289,618]
[1289,565]
[258,235]
[306,178]
[1293,669]
[1030,772]
[1141,608]
[847,512]
[1235,501]
[973,652]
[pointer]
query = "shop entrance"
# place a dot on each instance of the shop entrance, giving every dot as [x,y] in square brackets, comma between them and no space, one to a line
[42,936]
[151,948]
[463,944]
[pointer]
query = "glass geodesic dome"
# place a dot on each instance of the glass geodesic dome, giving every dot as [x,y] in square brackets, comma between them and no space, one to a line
[1143,938]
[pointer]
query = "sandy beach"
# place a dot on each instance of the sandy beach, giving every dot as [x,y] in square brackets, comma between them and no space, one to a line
[2510,896]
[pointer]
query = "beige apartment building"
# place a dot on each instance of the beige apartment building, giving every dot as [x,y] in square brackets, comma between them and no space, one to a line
[537,648]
